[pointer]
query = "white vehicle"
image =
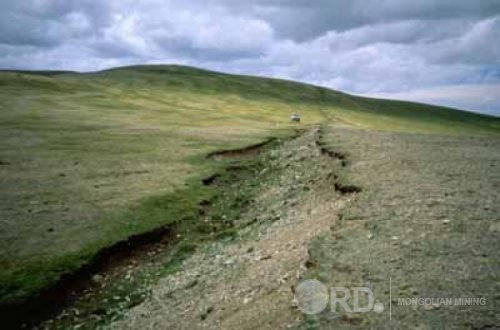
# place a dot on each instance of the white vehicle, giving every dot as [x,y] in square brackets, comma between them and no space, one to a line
[295,117]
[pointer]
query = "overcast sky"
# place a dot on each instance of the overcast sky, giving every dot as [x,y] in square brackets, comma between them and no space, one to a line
[435,51]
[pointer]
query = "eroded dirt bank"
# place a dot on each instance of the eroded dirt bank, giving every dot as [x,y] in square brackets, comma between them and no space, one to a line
[245,254]
[248,283]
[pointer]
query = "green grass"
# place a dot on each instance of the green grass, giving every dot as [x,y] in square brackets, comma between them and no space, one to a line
[90,159]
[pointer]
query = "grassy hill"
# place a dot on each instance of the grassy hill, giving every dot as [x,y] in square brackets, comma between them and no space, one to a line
[88,159]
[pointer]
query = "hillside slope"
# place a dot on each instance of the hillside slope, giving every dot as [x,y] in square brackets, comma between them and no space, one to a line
[89,159]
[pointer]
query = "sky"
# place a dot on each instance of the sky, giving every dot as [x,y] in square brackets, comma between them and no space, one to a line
[434,51]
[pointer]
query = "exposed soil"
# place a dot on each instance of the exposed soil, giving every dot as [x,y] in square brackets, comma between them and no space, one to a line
[210,180]
[26,313]
[346,189]
[246,151]
[249,284]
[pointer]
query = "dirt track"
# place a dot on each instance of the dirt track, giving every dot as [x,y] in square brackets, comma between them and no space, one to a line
[249,284]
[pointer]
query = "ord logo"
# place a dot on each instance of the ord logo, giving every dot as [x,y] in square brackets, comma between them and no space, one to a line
[313,297]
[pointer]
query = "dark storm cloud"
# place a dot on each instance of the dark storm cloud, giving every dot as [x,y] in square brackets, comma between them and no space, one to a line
[408,49]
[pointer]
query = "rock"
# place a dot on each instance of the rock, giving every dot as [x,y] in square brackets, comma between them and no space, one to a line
[228,262]
[97,278]
[495,226]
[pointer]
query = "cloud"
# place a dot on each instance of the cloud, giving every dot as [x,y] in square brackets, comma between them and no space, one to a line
[304,19]
[211,35]
[366,47]
[48,23]
[389,57]
[475,46]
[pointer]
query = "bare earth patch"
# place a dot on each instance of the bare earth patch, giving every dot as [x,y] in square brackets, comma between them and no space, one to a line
[249,284]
